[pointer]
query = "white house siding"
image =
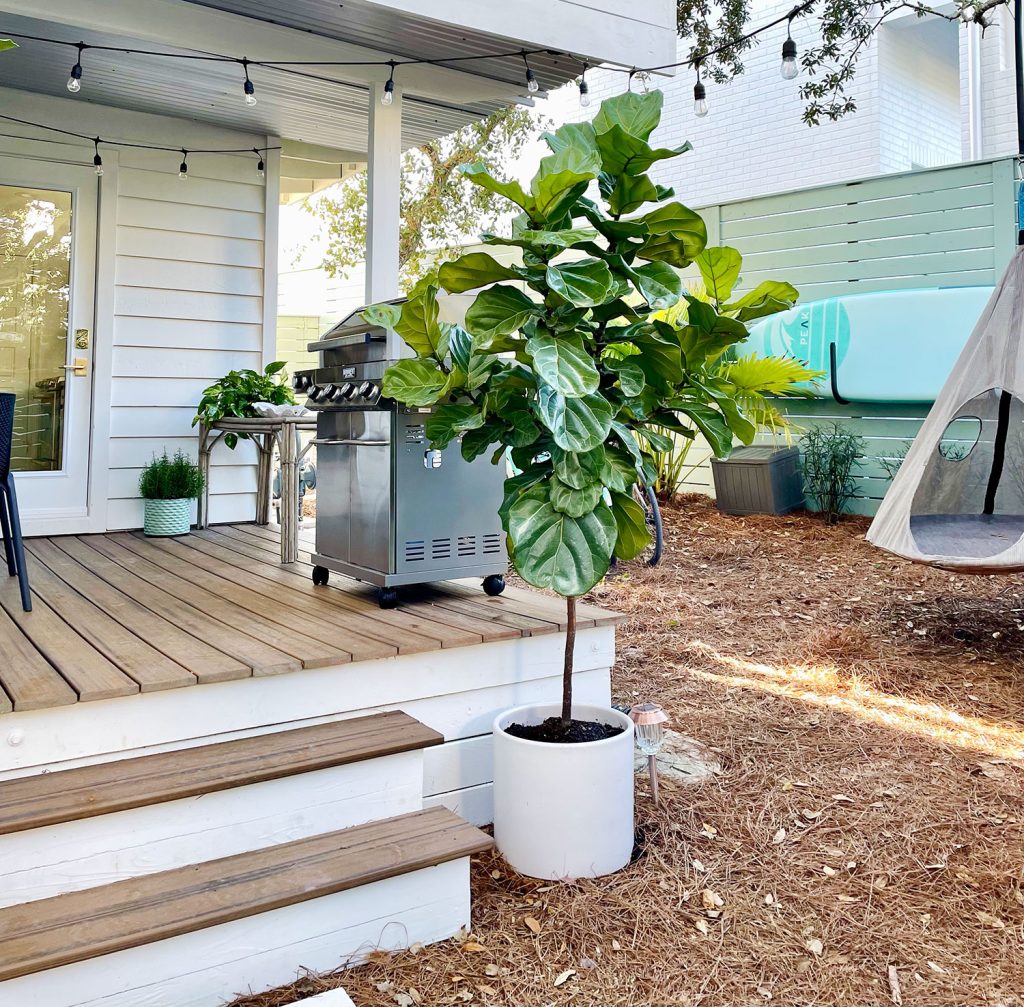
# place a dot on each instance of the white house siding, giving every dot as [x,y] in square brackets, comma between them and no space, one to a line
[919,97]
[998,124]
[187,297]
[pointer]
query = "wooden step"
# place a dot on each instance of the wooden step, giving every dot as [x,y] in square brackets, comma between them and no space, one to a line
[54,932]
[72,794]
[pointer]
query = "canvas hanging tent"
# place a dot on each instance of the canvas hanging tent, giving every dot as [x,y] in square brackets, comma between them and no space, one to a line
[958,498]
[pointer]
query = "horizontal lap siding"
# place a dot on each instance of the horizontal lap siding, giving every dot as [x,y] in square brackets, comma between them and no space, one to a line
[951,226]
[188,308]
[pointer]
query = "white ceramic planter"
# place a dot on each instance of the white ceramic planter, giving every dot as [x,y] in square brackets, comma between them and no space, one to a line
[563,811]
[167,517]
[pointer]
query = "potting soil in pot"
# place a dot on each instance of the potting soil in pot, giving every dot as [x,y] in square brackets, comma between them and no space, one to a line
[553,730]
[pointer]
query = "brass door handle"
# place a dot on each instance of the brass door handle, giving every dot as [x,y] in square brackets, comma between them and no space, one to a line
[80,368]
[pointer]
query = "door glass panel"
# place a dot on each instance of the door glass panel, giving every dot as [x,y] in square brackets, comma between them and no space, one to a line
[35,271]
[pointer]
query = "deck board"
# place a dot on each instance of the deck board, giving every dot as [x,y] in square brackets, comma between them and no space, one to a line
[118,614]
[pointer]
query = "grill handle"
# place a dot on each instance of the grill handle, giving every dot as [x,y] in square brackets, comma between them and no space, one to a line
[354,441]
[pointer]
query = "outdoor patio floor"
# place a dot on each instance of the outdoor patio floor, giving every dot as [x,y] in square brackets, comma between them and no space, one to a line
[119,614]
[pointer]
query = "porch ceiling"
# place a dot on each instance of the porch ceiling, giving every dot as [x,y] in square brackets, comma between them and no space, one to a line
[328,113]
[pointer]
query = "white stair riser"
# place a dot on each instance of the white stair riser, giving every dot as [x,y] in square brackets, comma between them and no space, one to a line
[209,967]
[71,856]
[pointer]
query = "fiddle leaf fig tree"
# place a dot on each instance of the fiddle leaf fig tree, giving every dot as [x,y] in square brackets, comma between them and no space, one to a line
[560,360]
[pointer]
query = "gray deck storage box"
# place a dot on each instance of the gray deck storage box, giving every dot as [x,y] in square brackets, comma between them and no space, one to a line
[758,480]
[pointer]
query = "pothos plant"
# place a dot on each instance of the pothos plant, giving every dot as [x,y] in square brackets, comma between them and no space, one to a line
[560,361]
[237,391]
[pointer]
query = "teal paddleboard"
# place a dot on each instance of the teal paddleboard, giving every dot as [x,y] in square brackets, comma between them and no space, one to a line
[891,346]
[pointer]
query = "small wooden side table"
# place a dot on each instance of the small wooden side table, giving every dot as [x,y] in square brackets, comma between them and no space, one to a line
[265,432]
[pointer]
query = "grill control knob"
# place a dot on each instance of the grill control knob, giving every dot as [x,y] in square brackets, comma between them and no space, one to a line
[366,389]
[300,381]
[325,393]
[339,392]
[313,391]
[347,390]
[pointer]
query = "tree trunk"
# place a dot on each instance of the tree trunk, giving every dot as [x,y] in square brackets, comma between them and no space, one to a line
[570,645]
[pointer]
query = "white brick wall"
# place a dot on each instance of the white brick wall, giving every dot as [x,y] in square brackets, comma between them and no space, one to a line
[998,105]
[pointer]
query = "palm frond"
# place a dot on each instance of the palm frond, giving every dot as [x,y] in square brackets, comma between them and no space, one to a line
[770,375]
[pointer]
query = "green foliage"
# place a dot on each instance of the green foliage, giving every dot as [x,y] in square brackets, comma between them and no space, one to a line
[176,478]
[439,206]
[830,455]
[6,43]
[748,383]
[842,32]
[567,365]
[236,392]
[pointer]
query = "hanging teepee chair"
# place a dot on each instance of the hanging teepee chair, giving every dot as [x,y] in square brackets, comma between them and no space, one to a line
[958,498]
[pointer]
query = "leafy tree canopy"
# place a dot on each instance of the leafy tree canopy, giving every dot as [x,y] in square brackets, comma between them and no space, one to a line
[844,29]
[440,207]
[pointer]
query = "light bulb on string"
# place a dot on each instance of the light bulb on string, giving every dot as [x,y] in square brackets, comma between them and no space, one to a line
[74,84]
[700,97]
[261,168]
[531,78]
[389,86]
[790,67]
[183,167]
[97,161]
[248,89]
[584,88]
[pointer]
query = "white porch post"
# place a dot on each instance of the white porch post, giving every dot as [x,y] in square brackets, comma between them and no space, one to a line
[383,210]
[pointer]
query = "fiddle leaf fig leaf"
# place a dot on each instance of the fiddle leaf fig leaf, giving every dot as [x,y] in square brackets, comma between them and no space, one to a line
[630,193]
[564,363]
[419,326]
[477,269]
[498,311]
[414,382]
[571,134]
[578,470]
[624,154]
[552,550]
[479,175]
[659,284]
[766,298]
[584,283]
[633,535]
[719,269]
[575,502]
[540,241]
[450,419]
[711,423]
[384,315]
[561,179]
[630,374]
[676,235]
[577,424]
[637,114]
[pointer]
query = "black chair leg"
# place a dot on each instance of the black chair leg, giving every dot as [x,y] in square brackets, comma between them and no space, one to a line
[19,550]
[5,527]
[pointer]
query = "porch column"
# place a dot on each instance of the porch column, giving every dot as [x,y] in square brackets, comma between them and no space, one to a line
[383,210]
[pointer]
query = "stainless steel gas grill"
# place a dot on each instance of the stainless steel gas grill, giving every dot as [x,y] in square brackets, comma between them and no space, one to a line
[391,511]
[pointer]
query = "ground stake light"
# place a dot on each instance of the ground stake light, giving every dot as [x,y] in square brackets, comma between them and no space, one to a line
[650,719]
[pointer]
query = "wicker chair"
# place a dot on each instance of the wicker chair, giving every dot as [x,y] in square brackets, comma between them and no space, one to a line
[9,518]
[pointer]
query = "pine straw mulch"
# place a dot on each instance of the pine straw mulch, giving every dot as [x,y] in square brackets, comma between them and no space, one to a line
[863,842]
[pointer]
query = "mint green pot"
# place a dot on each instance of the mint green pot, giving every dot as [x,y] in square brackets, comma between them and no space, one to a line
[167,517]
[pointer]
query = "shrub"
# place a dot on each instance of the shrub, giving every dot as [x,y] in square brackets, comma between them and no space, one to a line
[174,478]
[830,454]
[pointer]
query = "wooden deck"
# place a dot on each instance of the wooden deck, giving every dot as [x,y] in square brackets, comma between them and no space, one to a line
[120,614]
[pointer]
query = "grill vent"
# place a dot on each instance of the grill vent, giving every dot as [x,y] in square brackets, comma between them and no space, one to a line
[467,545]
[441,548]
[415,434]
[415,549]
[492,544]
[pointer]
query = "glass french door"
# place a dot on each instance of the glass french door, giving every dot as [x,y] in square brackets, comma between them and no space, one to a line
[47,295]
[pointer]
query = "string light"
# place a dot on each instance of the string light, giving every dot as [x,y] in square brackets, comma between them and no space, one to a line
[584,87]
[389,86]
[97,161]
[790,68]
[74,84]
[700,96]
[248,89]
[531,78]
[261,168]
[183,167]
